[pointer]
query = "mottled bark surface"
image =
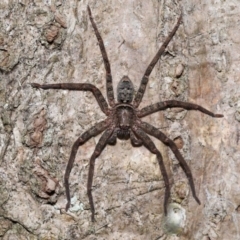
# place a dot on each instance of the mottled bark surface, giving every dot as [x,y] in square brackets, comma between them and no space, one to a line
[54,42]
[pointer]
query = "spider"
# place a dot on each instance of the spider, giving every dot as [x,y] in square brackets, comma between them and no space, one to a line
[124,119]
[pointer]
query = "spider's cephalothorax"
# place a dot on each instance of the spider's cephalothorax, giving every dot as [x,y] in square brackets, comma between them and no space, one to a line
[124,119]
[125,90]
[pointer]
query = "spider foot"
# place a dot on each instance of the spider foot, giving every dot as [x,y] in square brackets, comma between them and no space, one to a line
[35,85]
[165,210]
[197,200]
[218,115]
[67,206]
[93,218]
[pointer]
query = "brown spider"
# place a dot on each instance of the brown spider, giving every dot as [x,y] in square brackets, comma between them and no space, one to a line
[124,119]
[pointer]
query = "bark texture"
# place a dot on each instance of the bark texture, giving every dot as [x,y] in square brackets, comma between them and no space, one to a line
[53,42]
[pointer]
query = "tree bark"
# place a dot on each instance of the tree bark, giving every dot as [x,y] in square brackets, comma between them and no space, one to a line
[53,42]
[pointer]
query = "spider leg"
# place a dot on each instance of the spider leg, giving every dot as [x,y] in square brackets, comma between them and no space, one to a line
[148,143]
[110,95]
[151,130]
[78,87]
[150,67]
[94,131]
[98,149]
[113,138]
[136,142]
[173,103]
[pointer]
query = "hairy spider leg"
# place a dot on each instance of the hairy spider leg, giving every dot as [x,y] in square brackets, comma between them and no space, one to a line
[142,87]
[98,149]
[151,130]
[78,87]
[109,85]
[136,142]
[148,143]
[113,138]
[172,104]
[93,131]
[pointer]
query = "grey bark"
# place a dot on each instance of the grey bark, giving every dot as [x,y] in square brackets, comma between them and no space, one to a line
[53,42]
